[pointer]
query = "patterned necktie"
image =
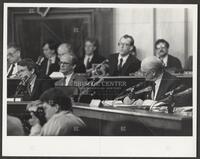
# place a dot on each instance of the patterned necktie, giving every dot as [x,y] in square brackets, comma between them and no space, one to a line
[11,70]
[120,64]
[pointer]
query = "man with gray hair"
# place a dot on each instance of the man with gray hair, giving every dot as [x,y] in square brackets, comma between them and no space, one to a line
[13,56]
[66,48]
[162,81]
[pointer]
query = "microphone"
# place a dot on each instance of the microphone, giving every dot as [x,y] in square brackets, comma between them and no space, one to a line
[183,93]
[40,60]
[176,90]
[22,85]
[102,63]
[135,94]
[90,83]
[137,86]
[145,90]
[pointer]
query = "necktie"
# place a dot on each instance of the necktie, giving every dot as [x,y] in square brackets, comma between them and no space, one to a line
[120,64]
[162,62]
[48,66]
[88,63]
[153,90]
[64,81]
[11,70]
[29,89]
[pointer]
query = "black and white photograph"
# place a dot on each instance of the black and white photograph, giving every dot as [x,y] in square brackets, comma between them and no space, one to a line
[108,80]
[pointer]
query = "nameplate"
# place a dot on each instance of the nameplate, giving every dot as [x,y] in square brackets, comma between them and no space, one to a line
[14,99]
[96,103]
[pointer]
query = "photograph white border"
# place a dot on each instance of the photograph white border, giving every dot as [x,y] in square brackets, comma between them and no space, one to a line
[100,146]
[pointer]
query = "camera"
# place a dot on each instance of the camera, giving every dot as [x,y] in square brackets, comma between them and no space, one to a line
[39,113]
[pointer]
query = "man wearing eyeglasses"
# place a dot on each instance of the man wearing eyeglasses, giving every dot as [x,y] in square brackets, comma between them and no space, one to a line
[123,63]
[13,56]
[170,62]
[160,81]
[67,65]
[30,86]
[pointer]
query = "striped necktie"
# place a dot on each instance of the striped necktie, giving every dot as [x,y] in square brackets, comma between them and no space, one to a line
[11,70]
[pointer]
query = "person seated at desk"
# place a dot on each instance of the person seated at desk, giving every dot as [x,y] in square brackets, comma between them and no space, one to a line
[171,63]
[66,48]
[70,78]
[13,56]
[30,86]
[58,112]
[123,63]
[91,55]
[162,81]
[14,126]
[50,62]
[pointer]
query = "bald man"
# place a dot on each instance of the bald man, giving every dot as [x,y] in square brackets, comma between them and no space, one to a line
[66,48]
[163,82]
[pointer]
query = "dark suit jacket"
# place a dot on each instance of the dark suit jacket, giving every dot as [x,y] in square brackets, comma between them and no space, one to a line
[55,67]
[75,80]
[174,64]
[80,67]
[96,59]
[168,83]
[75,86]
[39,87]
[131,65]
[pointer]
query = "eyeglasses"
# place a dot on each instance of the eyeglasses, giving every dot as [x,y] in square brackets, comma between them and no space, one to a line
[123,44]
[64,63]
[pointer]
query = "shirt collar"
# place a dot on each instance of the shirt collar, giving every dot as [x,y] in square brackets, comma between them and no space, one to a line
[165,59]
[123,57]
[89,56]
[53,59]
[32,80]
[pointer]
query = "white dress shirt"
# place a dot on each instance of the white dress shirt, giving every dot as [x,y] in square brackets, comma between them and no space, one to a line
[157,85]
[124,59]
[68,77]
[86,59]
[14,72]
[165,60]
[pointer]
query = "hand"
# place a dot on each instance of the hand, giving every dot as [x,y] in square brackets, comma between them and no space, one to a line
[138,102]
[128,101]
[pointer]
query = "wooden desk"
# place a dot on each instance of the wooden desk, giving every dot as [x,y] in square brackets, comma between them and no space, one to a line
[160,123]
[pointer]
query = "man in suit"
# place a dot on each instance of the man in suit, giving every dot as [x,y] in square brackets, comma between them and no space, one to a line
[50,62]
[171,63]
[161,81]
[123,63]
[91,55]
[13,56]
[66,48]
[67,66]
[30,86]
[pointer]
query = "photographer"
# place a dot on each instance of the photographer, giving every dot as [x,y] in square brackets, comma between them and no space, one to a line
[34,118]
[58,111]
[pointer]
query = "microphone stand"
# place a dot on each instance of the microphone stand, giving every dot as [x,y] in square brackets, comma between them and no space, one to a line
[171,104]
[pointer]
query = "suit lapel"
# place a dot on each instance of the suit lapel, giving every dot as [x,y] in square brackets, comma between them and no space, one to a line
[35,87]
[162,88]
[126,64]
[71,81]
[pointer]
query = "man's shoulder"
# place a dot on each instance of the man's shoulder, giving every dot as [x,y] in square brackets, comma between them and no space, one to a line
[171,57]
[169,76]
